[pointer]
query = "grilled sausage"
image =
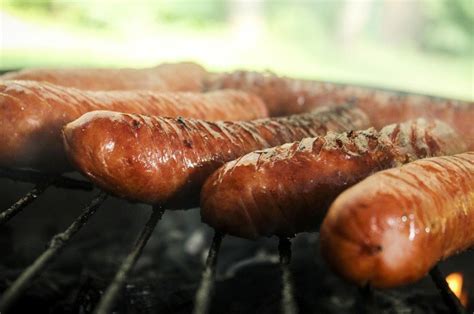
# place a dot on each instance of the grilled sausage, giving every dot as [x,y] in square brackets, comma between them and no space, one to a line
[165,161]
[394,226]
[32,115]
[287,189]
[184,76]
[289,96]
[282,95]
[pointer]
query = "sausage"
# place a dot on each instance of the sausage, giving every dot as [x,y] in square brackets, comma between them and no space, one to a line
[287,189]
[165,161]
[289,96]
[184,76]
[283,96]
[32,115]
[393,227]
[384,107]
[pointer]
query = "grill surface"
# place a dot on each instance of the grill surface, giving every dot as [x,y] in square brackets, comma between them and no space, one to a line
[312,279]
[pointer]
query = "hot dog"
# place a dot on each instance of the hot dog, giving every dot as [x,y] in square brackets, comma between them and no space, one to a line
[165,161]
[287,189]
[184,76]
[289,96]
[394,226]
[32,115]
[282,95]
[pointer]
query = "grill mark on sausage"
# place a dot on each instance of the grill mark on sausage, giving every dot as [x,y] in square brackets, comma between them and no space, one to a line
[40,110]
[333,163]
[384,107]
[213,144]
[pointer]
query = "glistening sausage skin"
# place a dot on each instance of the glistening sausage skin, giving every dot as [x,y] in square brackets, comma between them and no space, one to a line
[394,226]
[165,161]
[32,115]
[287,189]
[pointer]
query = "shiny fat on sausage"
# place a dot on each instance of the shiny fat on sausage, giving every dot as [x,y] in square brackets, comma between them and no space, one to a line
[183,76]
[285,95]
[393,227]
[287,189]
[165,161]
[32,115]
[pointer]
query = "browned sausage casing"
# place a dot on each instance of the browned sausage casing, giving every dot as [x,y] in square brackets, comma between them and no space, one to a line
[288,96]
[184,76]
[165,161]
[282,95]
[32,115]
[287,189]
[394,226]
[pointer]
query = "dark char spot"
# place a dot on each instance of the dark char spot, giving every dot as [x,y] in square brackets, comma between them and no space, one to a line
[136,124]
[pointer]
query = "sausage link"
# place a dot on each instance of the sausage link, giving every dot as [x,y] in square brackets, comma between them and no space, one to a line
[289,96]
[184,76]
[283,96]
[394,226]
[32,115]
[287,189]
[165,161]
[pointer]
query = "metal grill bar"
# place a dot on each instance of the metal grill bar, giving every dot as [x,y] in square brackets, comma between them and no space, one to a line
[32,176]
[206,287]
[10,212]
[112,292]
[288,303]
[57,243]
[450,299]
[366,301]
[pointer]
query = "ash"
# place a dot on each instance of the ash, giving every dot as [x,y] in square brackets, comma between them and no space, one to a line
[167,274]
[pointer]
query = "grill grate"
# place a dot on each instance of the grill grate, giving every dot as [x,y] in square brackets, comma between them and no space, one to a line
[206,286]
[452,302]
[288,303]
[57,243]
[18,206]
[365,302]
[113,290]
[36,177]
[42,181]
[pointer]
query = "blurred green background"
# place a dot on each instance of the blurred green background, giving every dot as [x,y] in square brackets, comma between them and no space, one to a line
[424,46]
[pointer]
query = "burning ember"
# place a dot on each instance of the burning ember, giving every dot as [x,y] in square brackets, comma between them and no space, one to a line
[455,282]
